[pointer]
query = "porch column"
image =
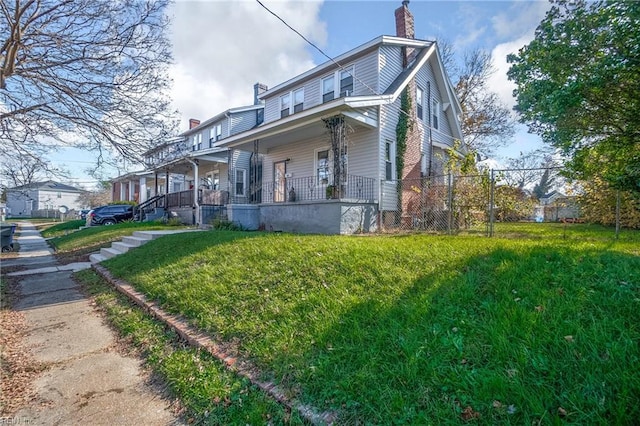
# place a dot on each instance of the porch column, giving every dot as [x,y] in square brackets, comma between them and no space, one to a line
[196,184]
[166,182]
[155,184]
[122,192]
[132,190]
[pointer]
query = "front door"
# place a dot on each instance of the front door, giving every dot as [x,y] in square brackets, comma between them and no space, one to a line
[279,181]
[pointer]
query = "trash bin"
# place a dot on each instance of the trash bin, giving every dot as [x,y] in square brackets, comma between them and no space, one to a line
[6,236]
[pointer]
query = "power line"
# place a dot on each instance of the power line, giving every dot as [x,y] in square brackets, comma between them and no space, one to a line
[342,68]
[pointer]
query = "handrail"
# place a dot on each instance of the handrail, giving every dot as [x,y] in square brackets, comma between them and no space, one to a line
[141,209]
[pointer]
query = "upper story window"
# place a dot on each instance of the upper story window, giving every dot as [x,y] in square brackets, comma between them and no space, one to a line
[435,111]
[285,105]
[197,142]
[419,102]
[346,82]
[328,87]
[215,134]
[298,100]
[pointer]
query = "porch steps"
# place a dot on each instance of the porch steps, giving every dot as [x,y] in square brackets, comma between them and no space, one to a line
[130,242]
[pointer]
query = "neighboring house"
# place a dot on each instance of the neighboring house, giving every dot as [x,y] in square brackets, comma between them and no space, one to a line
[557,206]
[42,199]
[318,153]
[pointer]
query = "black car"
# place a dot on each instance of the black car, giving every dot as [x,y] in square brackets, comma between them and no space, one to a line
[112,214]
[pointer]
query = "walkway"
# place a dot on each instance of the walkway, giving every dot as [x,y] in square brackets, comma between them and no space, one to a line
[87,381]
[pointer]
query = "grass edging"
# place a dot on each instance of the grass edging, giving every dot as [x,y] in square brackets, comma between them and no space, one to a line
[202,341]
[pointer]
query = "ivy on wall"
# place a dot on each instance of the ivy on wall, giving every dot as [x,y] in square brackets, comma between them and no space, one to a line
[402,130]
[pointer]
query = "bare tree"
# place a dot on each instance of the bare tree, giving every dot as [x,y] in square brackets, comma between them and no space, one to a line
[98,196]
[23,168]
[87,73]
[486,122]
[531,167]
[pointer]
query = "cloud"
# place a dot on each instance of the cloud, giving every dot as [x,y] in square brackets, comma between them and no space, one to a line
[471,26]
[498,82]
[519,19]
[222,48]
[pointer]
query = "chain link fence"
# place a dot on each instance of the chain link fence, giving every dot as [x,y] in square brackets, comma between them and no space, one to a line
[492,203]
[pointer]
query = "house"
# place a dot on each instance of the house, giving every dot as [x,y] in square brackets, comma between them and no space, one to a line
[42,199]
[557,206]
[323,155]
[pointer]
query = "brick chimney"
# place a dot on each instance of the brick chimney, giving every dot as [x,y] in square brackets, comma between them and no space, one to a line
[405,29]
[258,89]
[404,21]
[193,123]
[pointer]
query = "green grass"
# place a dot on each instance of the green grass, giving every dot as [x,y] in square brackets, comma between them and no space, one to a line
[419,329]
[209,393]
[95,237]
[62,228]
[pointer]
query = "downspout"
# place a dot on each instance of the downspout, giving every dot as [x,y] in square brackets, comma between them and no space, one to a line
[198,214]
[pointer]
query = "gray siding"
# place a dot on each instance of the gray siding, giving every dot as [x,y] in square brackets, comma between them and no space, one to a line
[443,133]
[239,160]
[366,75]
[242,121]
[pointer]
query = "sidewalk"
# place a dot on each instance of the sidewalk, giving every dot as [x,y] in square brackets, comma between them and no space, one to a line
[87,381]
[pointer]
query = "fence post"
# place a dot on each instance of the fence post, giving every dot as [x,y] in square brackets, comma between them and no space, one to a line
[492,184]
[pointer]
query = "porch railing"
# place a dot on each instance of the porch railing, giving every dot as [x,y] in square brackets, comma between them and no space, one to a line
[311,189]
[180,199]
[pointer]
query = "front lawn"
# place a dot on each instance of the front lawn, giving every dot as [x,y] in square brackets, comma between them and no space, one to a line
[77,245]
[417,329]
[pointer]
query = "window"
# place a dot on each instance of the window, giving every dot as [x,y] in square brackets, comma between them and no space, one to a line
[285,104]
[419,101]
[322,167]
[298,100]
[435,111]
[327,89]
[346,82]
[215,134]
[388,157]
[240,181]
[215,180]
[197,142]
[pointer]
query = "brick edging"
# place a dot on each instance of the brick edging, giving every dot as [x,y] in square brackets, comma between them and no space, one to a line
[200,340]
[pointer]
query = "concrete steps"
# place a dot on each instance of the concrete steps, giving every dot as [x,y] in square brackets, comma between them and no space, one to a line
[131,242]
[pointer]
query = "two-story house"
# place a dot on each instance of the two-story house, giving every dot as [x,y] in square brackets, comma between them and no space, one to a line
[329,145]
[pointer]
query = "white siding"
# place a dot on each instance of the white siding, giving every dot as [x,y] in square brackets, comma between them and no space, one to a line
[365,83]
[390,64]
[425,79]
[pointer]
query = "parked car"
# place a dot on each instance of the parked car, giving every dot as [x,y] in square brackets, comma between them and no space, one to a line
[82,214]
[110,215]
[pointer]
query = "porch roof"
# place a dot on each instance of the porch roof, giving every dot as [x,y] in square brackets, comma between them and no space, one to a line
[308,123]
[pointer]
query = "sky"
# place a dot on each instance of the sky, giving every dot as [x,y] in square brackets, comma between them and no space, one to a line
[222,48]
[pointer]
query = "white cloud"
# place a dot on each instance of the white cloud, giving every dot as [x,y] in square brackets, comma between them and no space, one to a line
[521,18]
[471,27]
[222,48]
[498,82]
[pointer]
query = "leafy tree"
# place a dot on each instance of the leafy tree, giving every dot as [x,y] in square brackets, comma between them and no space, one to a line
[597,201]
[486,122]
[89,71]
[578,86]
[99,196]
[545,184]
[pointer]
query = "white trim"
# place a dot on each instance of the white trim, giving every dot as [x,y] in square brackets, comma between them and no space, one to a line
[315,164]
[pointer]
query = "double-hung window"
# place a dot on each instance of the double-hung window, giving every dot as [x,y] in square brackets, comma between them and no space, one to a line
[241,175]
[419,102]
[298,100]
[328,88]
[197,142]
[388,160]
[215,134]
[285,105]
[322,167]
[346,82]
[435,111]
